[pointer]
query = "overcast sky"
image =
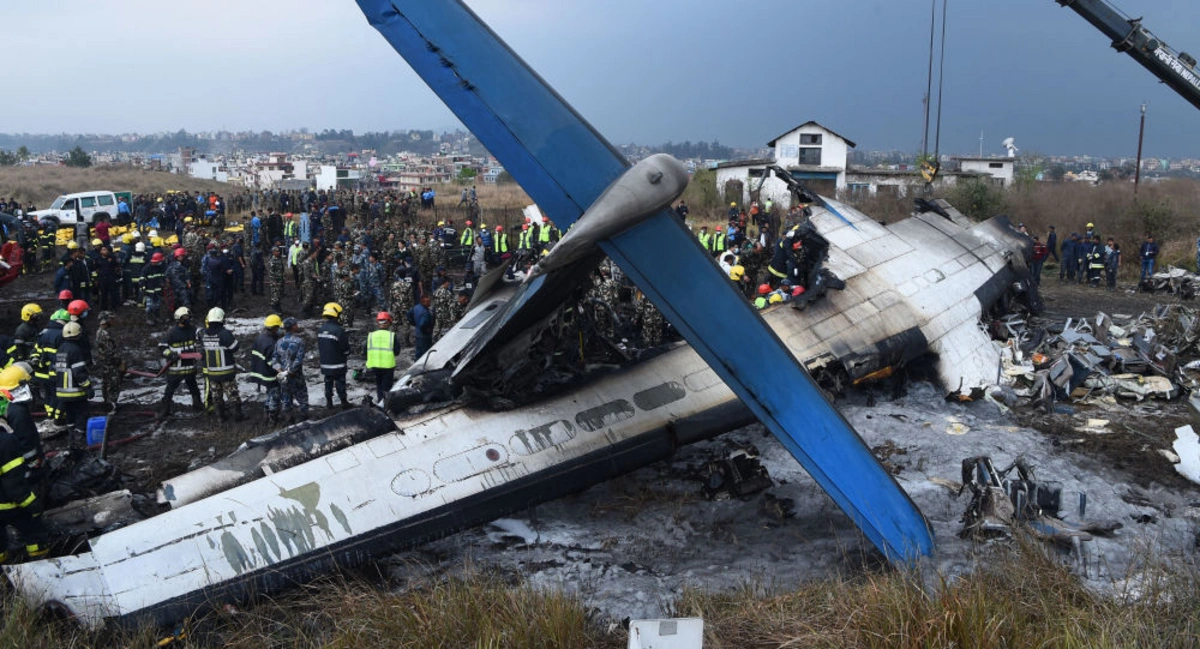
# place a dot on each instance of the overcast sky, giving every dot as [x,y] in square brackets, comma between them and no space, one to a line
[646,71]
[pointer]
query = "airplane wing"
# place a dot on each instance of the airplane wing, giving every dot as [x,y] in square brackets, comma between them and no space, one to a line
[565,165]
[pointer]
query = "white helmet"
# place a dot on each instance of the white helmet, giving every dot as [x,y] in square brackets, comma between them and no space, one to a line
[215,314]
[72,330]
[183,312]
[153,233]
[139,247]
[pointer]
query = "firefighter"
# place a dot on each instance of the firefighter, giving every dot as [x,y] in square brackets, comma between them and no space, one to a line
[261,371]
[333,347]
[73,386]
[19,504]
[180,351]
[218,346]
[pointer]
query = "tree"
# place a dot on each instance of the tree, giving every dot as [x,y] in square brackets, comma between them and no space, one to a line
[504,178]
[22,153]
[7,159]
[978,199]
[1056,173]
[467,174]
[77,157]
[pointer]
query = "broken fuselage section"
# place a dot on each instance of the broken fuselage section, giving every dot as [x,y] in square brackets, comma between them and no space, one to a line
[281,512]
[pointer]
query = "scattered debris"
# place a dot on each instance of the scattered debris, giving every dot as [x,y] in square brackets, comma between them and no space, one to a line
[739,474]
[999,504]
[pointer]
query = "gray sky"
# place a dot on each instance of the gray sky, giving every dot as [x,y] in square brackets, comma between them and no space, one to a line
[641,71]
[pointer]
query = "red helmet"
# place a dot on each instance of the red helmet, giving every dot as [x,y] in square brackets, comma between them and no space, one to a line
[180,252]
[156,258]
[718,228]
[383,316]
[499,228]
[66,295]
[77,308]
[469,224]
[763,289]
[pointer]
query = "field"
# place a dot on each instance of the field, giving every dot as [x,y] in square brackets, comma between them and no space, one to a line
[42,184]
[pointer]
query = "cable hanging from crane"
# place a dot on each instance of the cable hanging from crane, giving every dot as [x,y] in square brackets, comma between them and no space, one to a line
[930,165]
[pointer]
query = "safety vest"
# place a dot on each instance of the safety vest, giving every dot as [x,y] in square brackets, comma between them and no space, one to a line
[500,242]
[544,234]
[136,261]
[467,238]
[525,240]
[66,364]
[289,229]
[705,239]
[381,349]
[718,242]
[218,359]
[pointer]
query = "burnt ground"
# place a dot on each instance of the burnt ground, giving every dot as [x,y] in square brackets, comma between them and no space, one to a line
[1137,430]
[188,440]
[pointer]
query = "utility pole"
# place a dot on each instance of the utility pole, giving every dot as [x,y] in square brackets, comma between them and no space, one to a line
[1137,171]
[981,144]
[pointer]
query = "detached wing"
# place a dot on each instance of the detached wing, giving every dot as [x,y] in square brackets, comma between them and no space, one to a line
[564,165]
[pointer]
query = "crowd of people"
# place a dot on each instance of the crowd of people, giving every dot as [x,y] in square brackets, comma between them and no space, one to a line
[1088,258]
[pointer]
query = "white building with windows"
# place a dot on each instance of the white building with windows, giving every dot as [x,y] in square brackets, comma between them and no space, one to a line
[1001,170]
[818,157]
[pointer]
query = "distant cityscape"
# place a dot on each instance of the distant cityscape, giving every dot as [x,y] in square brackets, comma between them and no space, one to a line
[413,158]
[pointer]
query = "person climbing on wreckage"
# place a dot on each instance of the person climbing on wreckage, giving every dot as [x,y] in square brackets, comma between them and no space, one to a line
[798,256]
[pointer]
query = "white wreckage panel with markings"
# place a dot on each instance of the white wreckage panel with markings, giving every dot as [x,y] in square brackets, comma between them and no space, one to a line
[468,443]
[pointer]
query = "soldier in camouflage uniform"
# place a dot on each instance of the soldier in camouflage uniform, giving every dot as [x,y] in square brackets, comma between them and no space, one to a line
[344,285]
[401,298]
[437,254]
[179,279]
[604,294]
[443,309]
[308,283]
[276,265]
[109,358]
[651,319]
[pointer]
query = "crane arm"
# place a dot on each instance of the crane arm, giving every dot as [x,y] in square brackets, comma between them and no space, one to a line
[1177,70]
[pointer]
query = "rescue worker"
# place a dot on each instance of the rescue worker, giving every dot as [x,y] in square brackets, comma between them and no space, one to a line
[73,385]
[1095,261]
[705,239]
[500,248]
[180,350]
[110,359]
[261,372]
[25,337]
[15,383]
[43,366]
[383,345]
[402,300]
[131,266]
[218,346]
[276,265]
[288,363]
[20,507]
[718,242]
[179,278]
[333,348]
[421,318]
[443,308]
[154,275]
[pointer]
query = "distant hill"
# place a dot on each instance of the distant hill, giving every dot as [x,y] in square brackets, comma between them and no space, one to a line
[42,184]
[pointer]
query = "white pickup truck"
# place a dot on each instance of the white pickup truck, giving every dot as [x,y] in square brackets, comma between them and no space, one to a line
[69,208]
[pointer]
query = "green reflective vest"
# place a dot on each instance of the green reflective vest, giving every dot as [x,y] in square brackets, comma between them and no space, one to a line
[381,349]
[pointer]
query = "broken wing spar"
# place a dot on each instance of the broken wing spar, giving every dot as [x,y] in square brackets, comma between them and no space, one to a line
[565,165]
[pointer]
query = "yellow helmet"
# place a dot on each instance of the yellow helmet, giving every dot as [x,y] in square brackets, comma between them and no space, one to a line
[775,298]
[14,376]
[332,310]
[187,219]
[441,223]
[126,238]
[29,311]
[157,242]
[273,321]
[97,242]
[737,273]
[733,204]
[72,245]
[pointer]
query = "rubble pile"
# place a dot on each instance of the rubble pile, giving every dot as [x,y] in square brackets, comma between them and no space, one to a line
[1098,361]
[1176,281]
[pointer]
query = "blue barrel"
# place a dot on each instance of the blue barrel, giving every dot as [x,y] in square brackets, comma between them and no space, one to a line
[95,430]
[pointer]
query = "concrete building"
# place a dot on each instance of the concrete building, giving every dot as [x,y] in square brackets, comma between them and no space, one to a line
[1003,171]
[209,170]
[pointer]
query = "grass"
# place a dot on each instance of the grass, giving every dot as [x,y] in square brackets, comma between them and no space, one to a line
[42,184]
[1021,596]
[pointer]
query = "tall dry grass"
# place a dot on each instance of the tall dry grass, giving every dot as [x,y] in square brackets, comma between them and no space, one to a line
[42,184]
[1020,596]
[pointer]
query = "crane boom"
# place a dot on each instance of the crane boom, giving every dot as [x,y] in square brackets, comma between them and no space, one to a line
[1176,69]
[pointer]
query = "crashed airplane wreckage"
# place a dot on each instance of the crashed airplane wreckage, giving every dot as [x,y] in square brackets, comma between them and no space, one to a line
[291,506]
